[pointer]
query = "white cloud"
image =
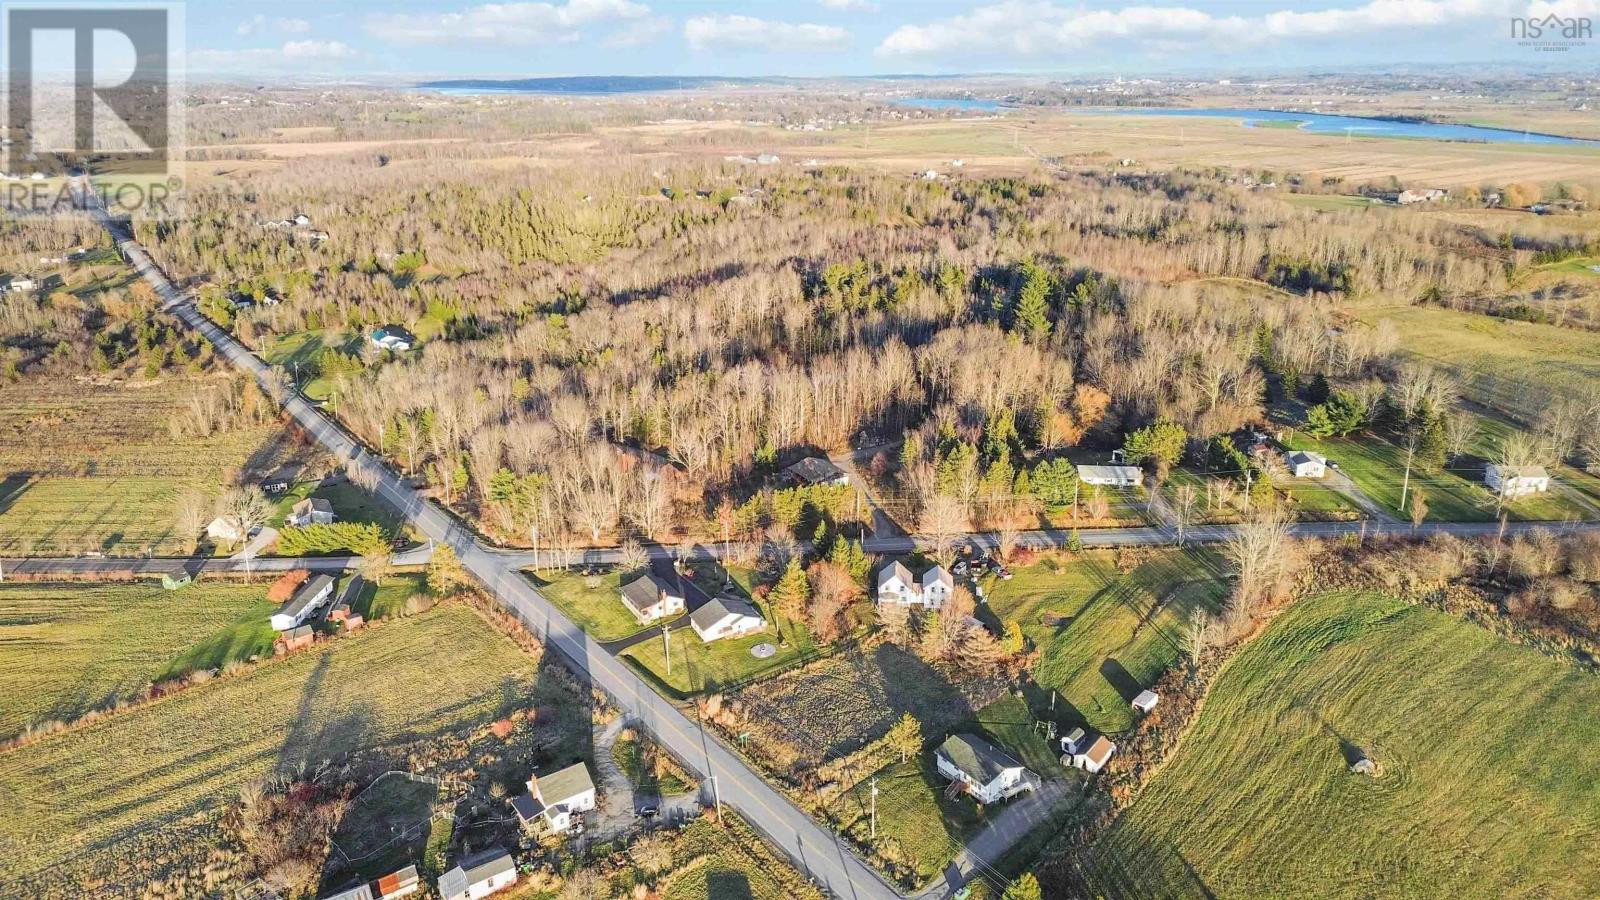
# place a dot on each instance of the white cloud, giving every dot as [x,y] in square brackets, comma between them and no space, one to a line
[850,5]
[259,23]
[293,54]
[1040,27]
[640,32]
[504,23]
[749,33]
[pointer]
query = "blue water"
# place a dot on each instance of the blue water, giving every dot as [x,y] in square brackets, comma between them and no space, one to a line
[1321,123]
[949,103]
[1317,123]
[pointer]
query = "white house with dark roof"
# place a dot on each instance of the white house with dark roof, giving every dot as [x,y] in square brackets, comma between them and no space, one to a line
[726,617]
[1111,476]
[1516,481]
[307,600]
[1305,464]
[931,590]
[651,597]
[310,511]
[479,876]
[983,770]
[552,801]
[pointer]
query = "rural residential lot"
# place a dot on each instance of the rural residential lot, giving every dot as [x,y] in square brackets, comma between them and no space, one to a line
[995,487]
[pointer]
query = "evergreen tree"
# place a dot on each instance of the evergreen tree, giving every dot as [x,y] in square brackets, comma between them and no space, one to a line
[1030,312]
[792,592]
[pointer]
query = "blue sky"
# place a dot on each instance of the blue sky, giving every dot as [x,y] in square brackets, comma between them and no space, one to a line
[422,38]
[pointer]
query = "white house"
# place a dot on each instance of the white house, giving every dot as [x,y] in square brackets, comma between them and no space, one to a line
[895,585]
[1516,481]
[393,337]
[1111,476]
[726,617]
[479,876]
[19,283]
[985,771]
[305,601]
[650,597]
[553,801]
[1305,464]
[1407,198]
[310,511]
[226,530]
[1146,701]
[1092,756]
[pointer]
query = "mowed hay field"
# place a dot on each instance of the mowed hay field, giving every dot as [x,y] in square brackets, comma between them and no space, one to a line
[1510,365]
[1488,754]
[92,811]
[67,649]
[91,467]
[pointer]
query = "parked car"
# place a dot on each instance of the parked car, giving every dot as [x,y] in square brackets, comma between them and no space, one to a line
[649,812]
[960,569]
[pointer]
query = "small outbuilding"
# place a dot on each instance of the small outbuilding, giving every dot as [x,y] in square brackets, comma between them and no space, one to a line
[479,876]
[1094,756]
[1146,701]
[1305,464]
[1072,741]
[296,639]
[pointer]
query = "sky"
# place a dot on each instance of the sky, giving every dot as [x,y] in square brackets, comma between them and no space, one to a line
[416,39]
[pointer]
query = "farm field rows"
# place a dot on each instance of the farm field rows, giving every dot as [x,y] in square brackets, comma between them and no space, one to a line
[141,791]
[1104,634]
[72,648]
[92,467]
[1487,753]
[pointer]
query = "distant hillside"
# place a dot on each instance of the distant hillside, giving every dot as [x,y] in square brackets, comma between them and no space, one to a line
[591,84]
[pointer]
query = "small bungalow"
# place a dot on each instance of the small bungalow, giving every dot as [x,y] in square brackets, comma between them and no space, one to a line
[1305,464]
[1516,481]
[479,876]
[276,483]
[1146,701]
[310,511]
[1111,476]
[983,770]
[1093,757]
[305,601]
[393,337]
[225,530]
[895,585]
[553,801]
[175,580]
[814,471]
[726,617]
[650,597]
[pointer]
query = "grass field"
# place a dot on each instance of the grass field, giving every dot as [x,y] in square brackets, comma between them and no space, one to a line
[143,788]
[1511,366]
[350,504]
[594,602]
[917,824]
[1331,202]
[72,648]
[699,667]
[1115,632]
[1488,753]
[87,467]
[730,863]
[301,349]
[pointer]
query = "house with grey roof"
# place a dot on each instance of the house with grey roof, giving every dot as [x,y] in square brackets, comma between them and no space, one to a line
[1305,464]
[306,601]
[726,617]
[310,511]
[1111,476]
[930,590]
[554,801]
[479,876]
[981,769]
[1516,481]
[650,597]
[361,891]
[815,470]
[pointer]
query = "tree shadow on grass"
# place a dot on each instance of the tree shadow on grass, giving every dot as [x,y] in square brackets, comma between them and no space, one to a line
[1126,686]
[728,884]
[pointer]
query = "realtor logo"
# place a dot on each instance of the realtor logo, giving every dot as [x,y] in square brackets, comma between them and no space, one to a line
[89,88]
[1552,32]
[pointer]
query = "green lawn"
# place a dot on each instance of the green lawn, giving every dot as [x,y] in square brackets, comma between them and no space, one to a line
[1330,202]
[594,602]
[638,759]
[1488,753]
[388,600]
[1509,365]
[730,862]
[350,504]
[1582,265]
[72,648]
[699,667]
[1115,633]
[303,348]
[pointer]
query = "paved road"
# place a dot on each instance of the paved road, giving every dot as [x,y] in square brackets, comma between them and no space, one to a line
[816,851]
[193,565]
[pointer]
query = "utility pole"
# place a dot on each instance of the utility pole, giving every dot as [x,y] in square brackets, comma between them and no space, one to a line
[1075,483]
[716,795]
[874,807]
[666,639]
[1405,486]
[1249,480]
